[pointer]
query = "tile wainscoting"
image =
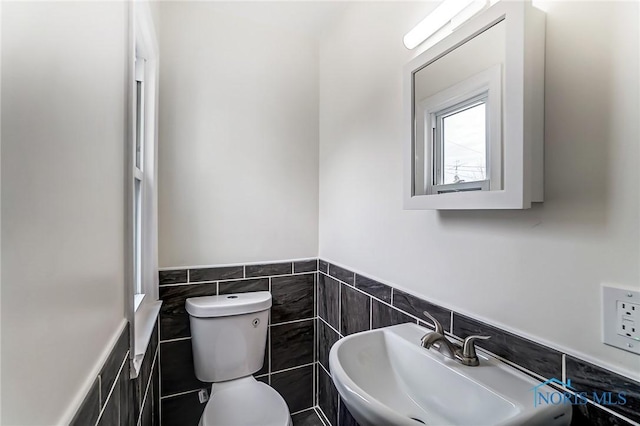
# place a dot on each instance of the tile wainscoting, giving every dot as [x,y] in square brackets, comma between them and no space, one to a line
[117,400]
[290,361]
[348,302]
[315,303]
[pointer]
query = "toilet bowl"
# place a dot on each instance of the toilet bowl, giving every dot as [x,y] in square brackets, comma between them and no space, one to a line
[228,337]
[247,402]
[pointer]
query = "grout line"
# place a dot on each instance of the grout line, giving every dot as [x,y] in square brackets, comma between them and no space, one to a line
[301,411]
[244,278]
[269,276]
[323,418]
[159,375]
[116,382]
[340,307]
[564,368]
[369,294]
[512,364]
[269,350]
[188,275]
[381,301]
[331,327]
[316,338]
[292,321]
[185,284]
[338,409]
[325,370]
[370,313]
[292,368]
[451,323]
[227,265]
[244,271]
[180,393]
[177,339]
[217,288]
[100,392]
[315,358]
[147,387]
[608,410]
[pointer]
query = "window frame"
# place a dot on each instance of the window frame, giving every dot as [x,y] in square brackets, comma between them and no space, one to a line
[141,262]
[486,85]
[140,140]
[437,185]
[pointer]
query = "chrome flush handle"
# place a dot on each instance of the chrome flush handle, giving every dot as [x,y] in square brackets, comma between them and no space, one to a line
[436,323]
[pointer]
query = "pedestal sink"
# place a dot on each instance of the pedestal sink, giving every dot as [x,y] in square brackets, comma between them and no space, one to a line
[386,378]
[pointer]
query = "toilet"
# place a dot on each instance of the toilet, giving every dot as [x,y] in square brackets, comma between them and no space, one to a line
[228,336]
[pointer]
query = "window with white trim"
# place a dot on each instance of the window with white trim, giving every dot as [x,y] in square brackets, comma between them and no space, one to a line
[142,217]
[459,135]
[138,180]
[462,144]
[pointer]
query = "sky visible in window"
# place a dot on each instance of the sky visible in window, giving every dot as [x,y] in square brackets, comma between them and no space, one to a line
[465,147]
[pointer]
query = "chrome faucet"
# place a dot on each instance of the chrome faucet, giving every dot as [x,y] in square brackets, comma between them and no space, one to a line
[465,354]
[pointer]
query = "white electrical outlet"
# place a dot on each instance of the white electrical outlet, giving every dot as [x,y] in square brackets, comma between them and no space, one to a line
[628,319]
[621,318]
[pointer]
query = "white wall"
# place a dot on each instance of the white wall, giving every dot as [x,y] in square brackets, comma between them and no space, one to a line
[238,138]
[63,116]
[537,272]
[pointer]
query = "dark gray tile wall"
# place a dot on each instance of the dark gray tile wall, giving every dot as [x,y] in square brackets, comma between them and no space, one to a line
[416,307]
[327,396]
[344,416]
[374,288]
[315,303]
[355,313]
[307,418]
[305,266]
[341,312]
[213,274]
[295,386]
[329,300]
[384,315]
[292,298]
[534,357]
[268,269]
[586,377]
[292,344]
[290,352]
[117,400]
[326,338]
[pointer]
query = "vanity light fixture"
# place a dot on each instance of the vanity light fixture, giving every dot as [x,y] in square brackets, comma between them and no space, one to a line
[446,17]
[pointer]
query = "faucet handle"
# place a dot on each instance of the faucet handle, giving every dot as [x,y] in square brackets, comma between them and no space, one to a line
[469,347]
[436,323]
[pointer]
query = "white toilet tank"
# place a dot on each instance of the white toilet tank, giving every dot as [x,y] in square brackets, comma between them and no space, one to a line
[228,334]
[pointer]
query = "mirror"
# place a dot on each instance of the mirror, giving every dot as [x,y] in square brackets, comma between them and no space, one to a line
[467,146]
[458,117]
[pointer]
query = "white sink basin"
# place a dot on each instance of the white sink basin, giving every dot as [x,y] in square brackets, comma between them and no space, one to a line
[385,378]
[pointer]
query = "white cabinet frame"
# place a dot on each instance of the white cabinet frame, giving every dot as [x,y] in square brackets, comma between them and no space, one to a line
[522,113]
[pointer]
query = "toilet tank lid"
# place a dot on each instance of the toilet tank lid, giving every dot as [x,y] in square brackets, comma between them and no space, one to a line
[228,304]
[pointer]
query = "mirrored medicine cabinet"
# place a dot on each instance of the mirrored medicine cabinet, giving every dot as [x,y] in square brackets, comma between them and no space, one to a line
[474,114]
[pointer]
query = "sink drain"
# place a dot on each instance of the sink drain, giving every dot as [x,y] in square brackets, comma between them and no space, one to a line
[417,420]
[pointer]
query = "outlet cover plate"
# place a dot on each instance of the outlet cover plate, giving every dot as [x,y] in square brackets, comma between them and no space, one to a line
[614,315]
